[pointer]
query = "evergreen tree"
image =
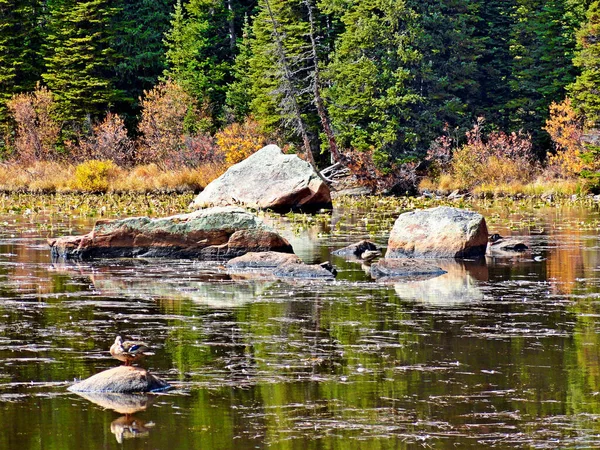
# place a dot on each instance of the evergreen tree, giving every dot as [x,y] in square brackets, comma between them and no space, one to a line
[201,48]
[80,57]
[494,20]
[584,90]
[543,44]
[20,48]
[238,92]
[139,30]
[371,98]
[270,89]
[448,77]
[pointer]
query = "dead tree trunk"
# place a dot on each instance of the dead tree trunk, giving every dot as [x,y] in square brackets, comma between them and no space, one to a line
[316,88]
[291,93]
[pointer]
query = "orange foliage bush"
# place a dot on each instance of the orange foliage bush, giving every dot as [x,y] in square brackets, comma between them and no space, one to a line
[167,138]
[565,129]
[37,131]
[238,141]
[108,141]
[499,158]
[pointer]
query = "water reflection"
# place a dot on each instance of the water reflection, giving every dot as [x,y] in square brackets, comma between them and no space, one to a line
[126,426]
[504,354]
[458,286]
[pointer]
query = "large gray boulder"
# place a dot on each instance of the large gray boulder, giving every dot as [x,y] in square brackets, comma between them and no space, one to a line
[121,380]
[210,234]
[441,232]
[268,179]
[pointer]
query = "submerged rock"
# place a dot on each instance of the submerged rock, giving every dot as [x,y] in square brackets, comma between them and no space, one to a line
[210,234]
[123,380]
[441,232]
[279,265]
[262,260]
[404,267]
[305,271]
[268,179]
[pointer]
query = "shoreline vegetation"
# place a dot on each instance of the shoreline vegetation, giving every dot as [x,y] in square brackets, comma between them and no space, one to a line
[485,98]
[155,204]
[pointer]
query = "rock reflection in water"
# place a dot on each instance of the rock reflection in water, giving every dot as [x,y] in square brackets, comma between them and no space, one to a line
[459,285]
[126,426]
[202,284]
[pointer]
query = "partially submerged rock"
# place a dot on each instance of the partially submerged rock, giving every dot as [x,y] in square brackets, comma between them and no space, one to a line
[262,260]
[268,179]
[210,234]
[123,380]
[500,246]
[441,232]
[304,271]
[404,267]
[356,250]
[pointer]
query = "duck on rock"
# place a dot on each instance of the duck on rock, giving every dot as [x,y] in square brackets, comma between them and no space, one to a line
[128,351]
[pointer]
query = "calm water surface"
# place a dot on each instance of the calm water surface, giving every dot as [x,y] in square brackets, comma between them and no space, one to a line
[496,354]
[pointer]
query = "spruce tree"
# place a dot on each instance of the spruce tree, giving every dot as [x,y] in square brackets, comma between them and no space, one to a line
[201,48]
[448,75]
[20,48]
[371,98]
[585,89]
[80,57]
[542,48]
[139,50]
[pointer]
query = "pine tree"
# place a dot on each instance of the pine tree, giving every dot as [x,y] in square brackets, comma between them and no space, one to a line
[238,97]
[20,48]
[584,90]
[494,20]
[80,57]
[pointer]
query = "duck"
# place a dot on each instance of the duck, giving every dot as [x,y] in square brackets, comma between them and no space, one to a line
[128,351]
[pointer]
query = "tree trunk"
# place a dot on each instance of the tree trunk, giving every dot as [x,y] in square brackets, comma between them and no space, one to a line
[318,100]
[292,94]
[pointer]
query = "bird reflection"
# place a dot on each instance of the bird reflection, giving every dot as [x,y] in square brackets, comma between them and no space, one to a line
[127,426]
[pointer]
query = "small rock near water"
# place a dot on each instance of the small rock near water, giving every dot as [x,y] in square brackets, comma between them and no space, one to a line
[262,260]
[122,379]
[268,179]
[357,249]
[403,267]
[306,271]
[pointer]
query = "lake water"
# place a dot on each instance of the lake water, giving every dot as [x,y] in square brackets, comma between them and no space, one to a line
[500,353]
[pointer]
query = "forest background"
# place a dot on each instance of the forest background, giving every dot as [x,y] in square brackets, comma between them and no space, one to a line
[484,95]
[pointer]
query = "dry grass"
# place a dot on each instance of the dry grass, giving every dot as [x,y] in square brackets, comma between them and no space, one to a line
[48,177]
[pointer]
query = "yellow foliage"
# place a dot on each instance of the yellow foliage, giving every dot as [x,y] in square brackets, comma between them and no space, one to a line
[238,141]
[95,175]
[564,127]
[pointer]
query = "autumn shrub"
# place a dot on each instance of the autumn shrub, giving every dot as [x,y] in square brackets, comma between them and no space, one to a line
[496,159]
[397,177]
[570,157]
[95,175]
[37,132]
[171,128]
[237,141]
[108,140]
